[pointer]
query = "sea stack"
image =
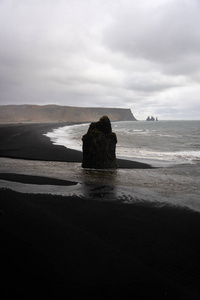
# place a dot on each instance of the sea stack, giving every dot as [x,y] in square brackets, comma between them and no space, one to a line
[152,119]
[99,145]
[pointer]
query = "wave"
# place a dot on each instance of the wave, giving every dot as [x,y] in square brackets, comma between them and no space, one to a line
[167,156]
[139,140]
[68,136]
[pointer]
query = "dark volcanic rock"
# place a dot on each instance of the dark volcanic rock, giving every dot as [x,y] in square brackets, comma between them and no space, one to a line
[99,145]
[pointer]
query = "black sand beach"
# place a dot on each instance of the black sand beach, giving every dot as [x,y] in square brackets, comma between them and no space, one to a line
[55,247]
[27,141]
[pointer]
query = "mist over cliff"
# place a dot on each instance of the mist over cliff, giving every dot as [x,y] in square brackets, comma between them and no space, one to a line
[56,113]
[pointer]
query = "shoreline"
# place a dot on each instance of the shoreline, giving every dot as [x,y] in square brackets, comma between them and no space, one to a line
[57,246]
[26,141]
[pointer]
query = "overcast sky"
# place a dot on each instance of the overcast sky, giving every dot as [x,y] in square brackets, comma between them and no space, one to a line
[138,54]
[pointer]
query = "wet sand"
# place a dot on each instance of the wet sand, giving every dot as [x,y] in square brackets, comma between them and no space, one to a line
[55,246]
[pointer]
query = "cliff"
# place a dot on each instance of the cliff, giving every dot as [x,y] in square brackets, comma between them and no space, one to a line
[99,144]
[56,113]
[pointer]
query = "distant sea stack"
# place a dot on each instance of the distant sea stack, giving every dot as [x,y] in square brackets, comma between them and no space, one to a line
[56,113]
[152,119]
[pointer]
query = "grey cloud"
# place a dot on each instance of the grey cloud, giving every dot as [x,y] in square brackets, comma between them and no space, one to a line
[165,34]
[152,82]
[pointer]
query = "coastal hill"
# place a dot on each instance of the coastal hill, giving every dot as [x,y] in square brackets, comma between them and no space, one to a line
[56,113]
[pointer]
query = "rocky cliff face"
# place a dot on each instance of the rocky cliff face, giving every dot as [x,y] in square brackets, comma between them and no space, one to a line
[99,145]
[55,113]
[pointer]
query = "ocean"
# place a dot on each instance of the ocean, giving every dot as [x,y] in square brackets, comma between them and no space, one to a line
[158,143]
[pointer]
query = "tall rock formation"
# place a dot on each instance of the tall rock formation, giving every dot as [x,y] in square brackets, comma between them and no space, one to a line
[152,119]
[99,145]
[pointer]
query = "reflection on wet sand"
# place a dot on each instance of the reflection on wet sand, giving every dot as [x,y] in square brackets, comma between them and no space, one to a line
[178,185]
[99,192]
[107,177]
